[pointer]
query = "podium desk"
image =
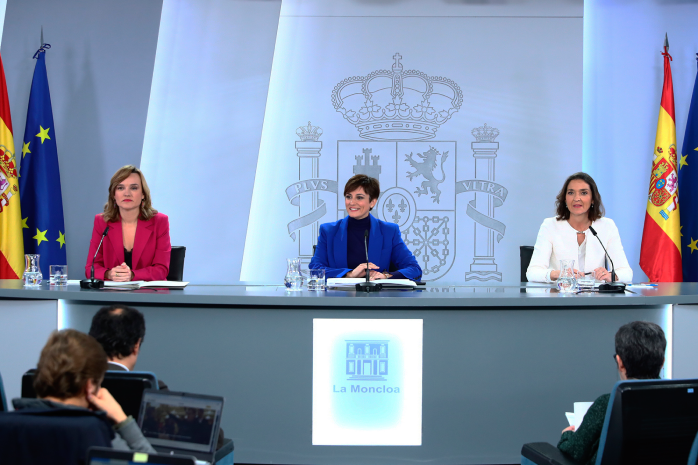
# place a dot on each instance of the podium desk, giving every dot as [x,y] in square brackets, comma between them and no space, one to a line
[501,364]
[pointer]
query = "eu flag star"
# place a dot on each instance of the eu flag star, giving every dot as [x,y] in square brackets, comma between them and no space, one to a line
[683,161]
[25,149]
[40,236]
[693,245]
[61,239]
[43,133]
[24,223]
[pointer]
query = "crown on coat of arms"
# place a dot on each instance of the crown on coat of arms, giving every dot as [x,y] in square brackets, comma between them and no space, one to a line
[309,133]
[397,104]
[7,162]
[485,133]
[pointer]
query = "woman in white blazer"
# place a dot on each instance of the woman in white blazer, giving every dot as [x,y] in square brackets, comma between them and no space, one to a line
[567,236]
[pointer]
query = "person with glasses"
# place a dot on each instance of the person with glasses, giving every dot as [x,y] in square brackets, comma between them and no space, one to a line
[640,347]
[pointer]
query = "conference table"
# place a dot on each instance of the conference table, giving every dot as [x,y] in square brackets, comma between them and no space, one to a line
[499,364]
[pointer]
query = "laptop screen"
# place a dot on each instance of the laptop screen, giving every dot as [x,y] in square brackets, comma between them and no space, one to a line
[180,420]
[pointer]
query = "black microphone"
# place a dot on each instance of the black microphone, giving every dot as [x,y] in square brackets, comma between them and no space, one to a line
[613,286]
[368,286]
[93,283]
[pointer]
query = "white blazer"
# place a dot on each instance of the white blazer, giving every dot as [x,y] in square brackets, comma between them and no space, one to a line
[557,240]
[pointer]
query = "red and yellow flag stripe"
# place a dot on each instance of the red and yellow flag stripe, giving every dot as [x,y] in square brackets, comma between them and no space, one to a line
[660,254]
[11,242]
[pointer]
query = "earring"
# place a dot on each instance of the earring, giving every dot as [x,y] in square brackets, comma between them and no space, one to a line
[592,205]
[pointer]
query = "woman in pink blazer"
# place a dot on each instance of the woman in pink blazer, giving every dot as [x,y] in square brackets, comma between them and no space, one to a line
[137,245]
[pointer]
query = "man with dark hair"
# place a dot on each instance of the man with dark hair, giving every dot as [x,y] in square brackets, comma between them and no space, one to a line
[120,330]
[640,347]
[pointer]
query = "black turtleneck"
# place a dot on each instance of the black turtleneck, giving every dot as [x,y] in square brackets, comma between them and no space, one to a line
[356,251]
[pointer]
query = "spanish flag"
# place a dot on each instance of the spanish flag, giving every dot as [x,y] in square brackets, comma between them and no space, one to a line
[11,243]
[660,254]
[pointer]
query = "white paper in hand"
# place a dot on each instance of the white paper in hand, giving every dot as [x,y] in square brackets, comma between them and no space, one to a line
[580,409]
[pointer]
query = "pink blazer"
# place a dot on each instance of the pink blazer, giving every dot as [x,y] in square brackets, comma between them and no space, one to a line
[151,248]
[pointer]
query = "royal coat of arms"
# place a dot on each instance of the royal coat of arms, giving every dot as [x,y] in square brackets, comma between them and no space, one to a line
[664,181]
[397,114]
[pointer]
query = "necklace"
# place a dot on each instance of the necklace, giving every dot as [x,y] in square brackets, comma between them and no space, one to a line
[577,230]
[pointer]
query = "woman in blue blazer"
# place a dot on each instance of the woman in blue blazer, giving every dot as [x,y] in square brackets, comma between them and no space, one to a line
[341,250]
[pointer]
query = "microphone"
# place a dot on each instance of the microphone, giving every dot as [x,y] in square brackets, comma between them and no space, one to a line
[613,286]
[368,286]
[93,283]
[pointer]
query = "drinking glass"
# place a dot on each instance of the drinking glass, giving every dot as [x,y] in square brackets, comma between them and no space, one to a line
[316,281]
[59,275]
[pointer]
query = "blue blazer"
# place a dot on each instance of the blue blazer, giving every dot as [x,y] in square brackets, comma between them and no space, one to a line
[385,248]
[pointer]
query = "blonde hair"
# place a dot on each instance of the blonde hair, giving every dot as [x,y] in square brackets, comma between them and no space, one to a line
[111,210]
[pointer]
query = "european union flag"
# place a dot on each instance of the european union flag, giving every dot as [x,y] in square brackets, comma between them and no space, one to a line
[688,191]
[39,179]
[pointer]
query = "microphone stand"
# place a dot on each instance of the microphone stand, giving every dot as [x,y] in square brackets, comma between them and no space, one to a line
[613,287]
[368,286]
[93,283]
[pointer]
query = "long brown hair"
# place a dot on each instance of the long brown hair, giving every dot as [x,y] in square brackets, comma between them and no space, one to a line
[111,210]
[596,209]
[67,361]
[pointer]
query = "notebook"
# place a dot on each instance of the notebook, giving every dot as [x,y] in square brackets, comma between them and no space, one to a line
[181,423]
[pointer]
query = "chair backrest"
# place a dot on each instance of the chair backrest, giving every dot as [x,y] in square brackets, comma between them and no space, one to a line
[693,456]
[526,252]
[3,400]
[126,386]
[58,436]
[649,422]
[176,272]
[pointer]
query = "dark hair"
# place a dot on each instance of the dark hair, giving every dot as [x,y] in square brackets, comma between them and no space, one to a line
[67,361]
[370,185]
[641,347]
[118,328]
[596,209]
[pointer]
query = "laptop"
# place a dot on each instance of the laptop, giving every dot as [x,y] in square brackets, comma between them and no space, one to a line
[105,456]
[181,423]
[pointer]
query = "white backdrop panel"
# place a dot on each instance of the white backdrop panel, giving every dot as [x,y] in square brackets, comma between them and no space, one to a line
[519,75]
[204,125]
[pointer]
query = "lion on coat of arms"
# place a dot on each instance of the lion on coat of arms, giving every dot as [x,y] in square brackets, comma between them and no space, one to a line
[426,168]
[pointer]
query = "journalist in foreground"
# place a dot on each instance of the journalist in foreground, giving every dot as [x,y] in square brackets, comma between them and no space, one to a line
[68,383]
[640,347]
[137,244]
[341,250]
[568,236]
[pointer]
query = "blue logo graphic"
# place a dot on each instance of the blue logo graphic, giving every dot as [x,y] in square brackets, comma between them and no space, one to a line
[367,360]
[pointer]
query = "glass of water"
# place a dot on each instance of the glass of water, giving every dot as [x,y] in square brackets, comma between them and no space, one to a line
[316,281]
[59,275]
